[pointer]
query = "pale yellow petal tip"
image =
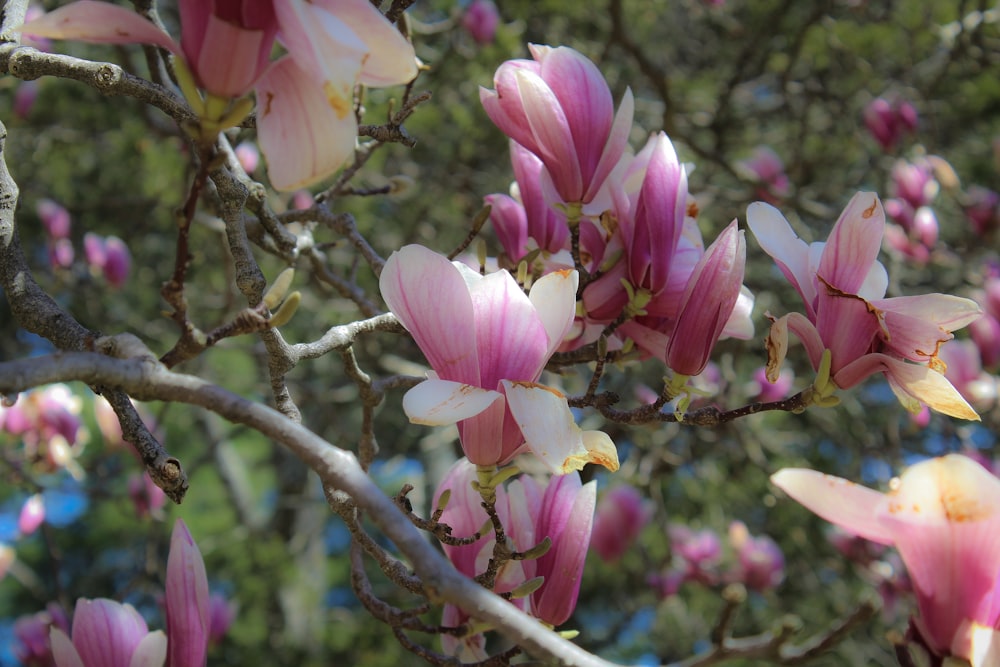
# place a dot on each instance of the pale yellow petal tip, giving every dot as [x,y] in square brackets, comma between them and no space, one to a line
[601,451]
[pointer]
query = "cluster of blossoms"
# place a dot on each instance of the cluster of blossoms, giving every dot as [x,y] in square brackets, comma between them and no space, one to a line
[107,257]
[610,246]
[306,122]
[581,196]
[888,121]
[757,561]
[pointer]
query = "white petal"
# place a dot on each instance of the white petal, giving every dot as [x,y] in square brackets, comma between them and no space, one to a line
[550,432]
[441,402]
[554,296]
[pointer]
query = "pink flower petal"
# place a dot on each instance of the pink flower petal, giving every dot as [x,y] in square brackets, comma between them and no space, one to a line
[99,22]
[305,135]
[844,503]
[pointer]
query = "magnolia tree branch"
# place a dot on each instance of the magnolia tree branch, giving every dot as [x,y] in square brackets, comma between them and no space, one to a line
[144,378]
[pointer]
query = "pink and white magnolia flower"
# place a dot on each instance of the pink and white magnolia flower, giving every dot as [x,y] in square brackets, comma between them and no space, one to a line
[843,285]
[108,634]
[487,343]
[305,100]
[560,108]
[943,515]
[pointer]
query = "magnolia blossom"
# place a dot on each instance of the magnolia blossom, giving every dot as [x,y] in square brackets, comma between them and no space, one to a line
[843,285]
[480,20]
[525,220]
[888,121]
[108,634]
[305,117]
[487,343]
[621,515]
[760,563]
[560,108]
[943,515]
[766,169]
[562,511]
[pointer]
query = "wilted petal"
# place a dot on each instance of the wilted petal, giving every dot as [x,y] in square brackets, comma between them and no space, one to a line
[912,383]
[551,433]
[916,325]
[442,402]
[304,134]
[846,504]
[99,22]
[186,601]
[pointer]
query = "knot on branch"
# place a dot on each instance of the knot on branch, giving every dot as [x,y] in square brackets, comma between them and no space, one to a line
[107,77]
[19,63]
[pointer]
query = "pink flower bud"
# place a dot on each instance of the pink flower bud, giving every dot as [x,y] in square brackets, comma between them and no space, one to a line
[302,199]
[621,515]
[773,391]
[986,333]
[510,225]
[54,218]
[186,601]
[61,254]
[708,301]
[880,122]
[248,155]
[147,498]
[118,261]
[93,251]
[32,633]
[982,209]
[107,633]
[221,614]
[560,108]
[914,183]
[481,20]
[925,226]
[24,98]
[700,549]
[761,563]
[32,515]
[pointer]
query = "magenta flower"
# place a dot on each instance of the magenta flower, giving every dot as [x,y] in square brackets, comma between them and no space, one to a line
[887,122]
[32,515]
[32,632]
[842,285]
[621,515]
[55,219]
[305,119]
[108,634]
[760,562]
[766,169]
[480,20]
[487,343]
[943,515]
[559,107]
[708,302]
[982,208]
